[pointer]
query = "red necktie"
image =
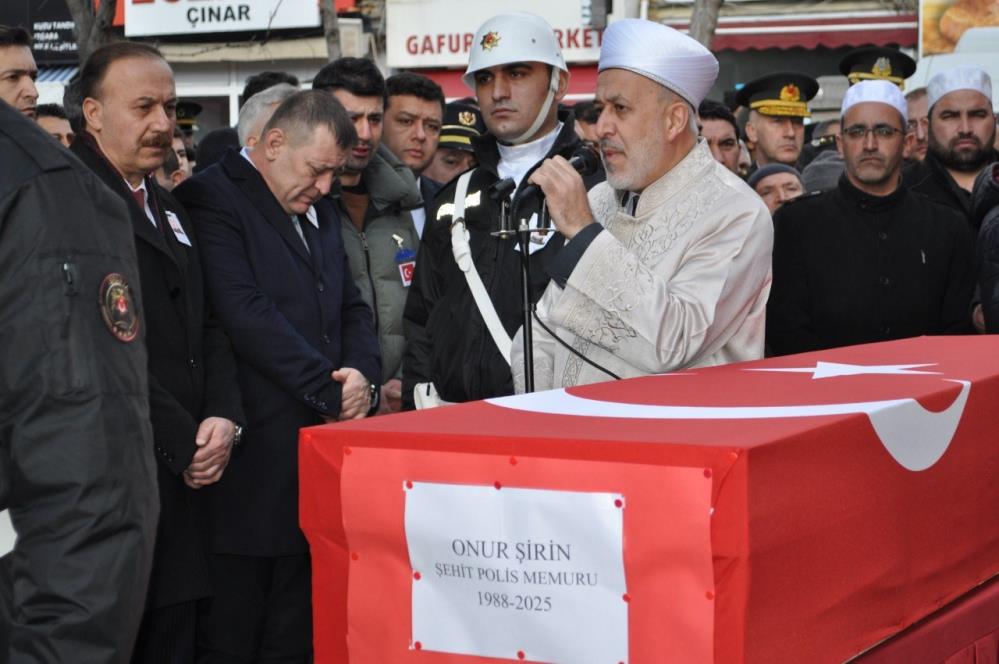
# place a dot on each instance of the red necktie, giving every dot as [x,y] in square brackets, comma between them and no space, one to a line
[140,197]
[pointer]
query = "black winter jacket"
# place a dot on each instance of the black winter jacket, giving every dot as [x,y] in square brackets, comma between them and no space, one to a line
[447,340]
[985,212]
[77,475]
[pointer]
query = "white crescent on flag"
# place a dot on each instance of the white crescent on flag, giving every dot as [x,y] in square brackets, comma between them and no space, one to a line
[915,437]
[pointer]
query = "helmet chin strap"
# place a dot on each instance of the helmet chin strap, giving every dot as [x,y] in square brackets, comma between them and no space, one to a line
[543,113]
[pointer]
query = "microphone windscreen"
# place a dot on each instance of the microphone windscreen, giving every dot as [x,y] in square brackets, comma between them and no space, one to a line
[585,160]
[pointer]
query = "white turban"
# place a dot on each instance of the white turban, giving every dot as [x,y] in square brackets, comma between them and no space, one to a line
[967,77]
[660,53]
[880,91]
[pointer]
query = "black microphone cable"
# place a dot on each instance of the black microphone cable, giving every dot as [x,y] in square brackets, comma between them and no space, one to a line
[572,350]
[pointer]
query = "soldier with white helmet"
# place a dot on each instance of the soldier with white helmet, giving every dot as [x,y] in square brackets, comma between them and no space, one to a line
[459,320]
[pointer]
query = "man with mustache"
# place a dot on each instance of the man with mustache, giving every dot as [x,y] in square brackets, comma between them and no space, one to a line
[667,264]
[457,341]
[376,194]
[870,260]
[18,70]
[129,104]
[778,106]
[961,133]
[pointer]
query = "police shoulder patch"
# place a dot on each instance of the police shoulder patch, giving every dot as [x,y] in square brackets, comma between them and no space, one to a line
[118,307]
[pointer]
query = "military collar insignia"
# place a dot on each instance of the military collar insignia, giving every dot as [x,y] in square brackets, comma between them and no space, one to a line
[490,40]
[118,308]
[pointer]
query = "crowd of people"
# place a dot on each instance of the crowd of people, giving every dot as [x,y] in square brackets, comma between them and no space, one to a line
[176,313]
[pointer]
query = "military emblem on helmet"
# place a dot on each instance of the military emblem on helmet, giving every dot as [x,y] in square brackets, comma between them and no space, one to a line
[490,40]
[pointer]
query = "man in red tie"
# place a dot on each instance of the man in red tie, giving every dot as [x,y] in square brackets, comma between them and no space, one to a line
[129,109]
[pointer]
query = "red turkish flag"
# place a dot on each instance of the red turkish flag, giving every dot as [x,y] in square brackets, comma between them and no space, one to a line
[853,490]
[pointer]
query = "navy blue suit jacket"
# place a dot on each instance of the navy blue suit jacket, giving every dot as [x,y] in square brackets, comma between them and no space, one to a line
[293,316]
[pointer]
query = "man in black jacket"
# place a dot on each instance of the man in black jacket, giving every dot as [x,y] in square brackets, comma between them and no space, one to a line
[77,472]
[307,352]
[519,76]
[961,133]
[870,260]
[128,107]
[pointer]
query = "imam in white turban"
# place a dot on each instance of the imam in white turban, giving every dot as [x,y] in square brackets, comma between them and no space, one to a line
[967,77]
[880,91]
[660,53]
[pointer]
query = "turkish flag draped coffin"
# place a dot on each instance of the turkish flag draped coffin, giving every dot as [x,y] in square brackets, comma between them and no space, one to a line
[797,509]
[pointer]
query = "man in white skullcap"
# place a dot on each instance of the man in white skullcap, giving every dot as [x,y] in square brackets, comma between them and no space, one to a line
[961,135]
[457,334]
[667,265]
[869,260]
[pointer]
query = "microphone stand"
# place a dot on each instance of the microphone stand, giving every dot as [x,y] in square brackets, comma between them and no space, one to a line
[586,162]
[523,233]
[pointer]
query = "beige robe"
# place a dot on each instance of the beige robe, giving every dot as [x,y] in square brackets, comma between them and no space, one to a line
[683,283]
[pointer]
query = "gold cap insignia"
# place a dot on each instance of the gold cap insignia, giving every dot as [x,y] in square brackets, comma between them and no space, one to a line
[790,92]
[490,40]
[466,118]
[882,68]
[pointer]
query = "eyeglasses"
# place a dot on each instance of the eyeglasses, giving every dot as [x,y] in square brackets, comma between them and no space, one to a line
[881,132]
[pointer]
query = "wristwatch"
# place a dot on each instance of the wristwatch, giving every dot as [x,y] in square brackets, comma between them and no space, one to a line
[373,394]
[237,437]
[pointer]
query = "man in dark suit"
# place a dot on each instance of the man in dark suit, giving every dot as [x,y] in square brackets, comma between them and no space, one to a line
[307,352]
[128,107]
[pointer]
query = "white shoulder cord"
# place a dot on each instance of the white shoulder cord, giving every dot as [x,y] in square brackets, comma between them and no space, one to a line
[463,257]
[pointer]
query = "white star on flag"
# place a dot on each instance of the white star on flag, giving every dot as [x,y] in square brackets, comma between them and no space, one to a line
[834,369]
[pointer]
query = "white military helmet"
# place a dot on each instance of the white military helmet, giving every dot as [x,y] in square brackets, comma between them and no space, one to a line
[517,37]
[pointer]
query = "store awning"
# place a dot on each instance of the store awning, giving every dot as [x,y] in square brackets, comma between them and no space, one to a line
[56,74]
[582,81]
[830,30]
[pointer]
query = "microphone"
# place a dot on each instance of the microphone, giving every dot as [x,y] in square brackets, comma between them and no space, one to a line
[584,160]
[501,189]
